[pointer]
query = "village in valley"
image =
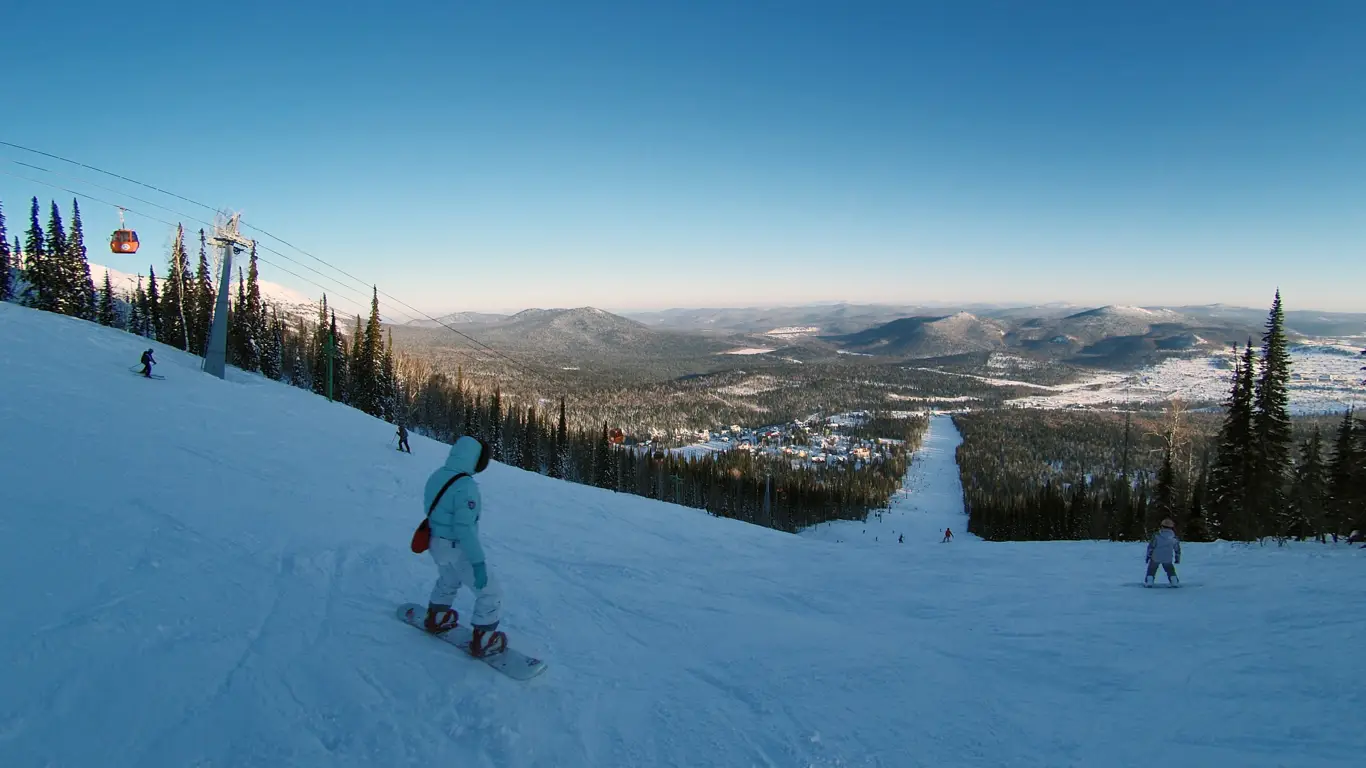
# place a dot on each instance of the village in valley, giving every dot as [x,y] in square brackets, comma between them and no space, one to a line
[814,441]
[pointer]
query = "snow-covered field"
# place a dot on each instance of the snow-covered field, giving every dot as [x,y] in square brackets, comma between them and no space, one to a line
[203,573]
[1326,378]
[754,385]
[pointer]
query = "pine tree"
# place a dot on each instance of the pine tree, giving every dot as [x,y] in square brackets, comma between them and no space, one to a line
[1345,484]
[272,355]
[368,364]
[1196,527]
[204,301]
[530,458]
[1231,474]
[602,462]
[239,342]
[357,382]
[83,287]
[341,380]
[59,268]
[298,368]
[254,320]
[390,406]
[1359,477]
[37,273]
[1305,515]
[322,342]
[153,312]
[105,312]
[174,297]
[137,316]
[1165,502]
[1273,439]
[6,280]
[496,423]
[557,462]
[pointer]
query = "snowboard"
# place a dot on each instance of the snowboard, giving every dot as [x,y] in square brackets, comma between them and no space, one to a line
[1161,585]
[512,662]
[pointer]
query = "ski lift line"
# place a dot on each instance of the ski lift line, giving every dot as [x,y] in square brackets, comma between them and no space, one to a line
[109,189]
[396,300]
[166,192]
[89,197]
[353,297]
[159,221]
[515,364]
[360,305]
[107,173]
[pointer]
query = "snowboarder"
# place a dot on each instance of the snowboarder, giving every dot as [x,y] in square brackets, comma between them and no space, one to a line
[147,362]
[948,536]
[403,439]
[452,498]
[1164,550]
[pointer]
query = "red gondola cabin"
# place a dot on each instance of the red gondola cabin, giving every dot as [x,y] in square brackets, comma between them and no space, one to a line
[124,241]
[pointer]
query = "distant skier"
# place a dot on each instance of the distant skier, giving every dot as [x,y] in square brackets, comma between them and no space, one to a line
[403,439]
[1164,550]
[147,362]
[948,536]
[901,538]
[453,503]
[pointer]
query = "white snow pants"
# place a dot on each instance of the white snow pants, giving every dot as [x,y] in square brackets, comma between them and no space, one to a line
[454,570]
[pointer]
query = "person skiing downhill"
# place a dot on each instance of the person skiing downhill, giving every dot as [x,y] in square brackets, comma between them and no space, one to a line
[147,362]
[1164,549]
[403,439]
[452,498]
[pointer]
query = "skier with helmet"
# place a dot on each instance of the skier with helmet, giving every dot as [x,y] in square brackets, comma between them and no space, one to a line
[1164,549]
[147,362]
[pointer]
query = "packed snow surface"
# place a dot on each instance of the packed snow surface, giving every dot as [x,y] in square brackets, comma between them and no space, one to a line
[198,572]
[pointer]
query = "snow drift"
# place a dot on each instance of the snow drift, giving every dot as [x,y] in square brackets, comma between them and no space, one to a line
[204,572]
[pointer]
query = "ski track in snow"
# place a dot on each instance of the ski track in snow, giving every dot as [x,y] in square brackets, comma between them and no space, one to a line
[930,499]
[199,572]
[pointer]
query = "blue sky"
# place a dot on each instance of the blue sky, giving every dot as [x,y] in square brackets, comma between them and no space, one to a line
[498,155]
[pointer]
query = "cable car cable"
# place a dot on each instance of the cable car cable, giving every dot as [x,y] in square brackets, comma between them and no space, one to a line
[360,302]
[549,379]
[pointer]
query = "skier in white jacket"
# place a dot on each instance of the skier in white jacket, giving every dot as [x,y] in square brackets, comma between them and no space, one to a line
[1164,550]
[454,520]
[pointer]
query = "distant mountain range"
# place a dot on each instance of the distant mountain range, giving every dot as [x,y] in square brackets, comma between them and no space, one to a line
[844,319]
[927,336]
[564,337]
[1112,336]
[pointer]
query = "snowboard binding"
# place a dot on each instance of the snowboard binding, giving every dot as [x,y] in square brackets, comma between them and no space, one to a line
[487,642]
[440,619]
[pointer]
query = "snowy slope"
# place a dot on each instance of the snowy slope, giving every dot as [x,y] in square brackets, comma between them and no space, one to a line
[199,572]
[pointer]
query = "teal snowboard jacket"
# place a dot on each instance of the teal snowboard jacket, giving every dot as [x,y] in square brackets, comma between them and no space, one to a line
[456,517]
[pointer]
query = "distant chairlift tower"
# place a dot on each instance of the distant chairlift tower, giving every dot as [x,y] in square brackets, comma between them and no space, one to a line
[229,241]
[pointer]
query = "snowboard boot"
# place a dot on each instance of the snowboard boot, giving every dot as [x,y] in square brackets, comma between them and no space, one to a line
[440,618]
[487,641]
